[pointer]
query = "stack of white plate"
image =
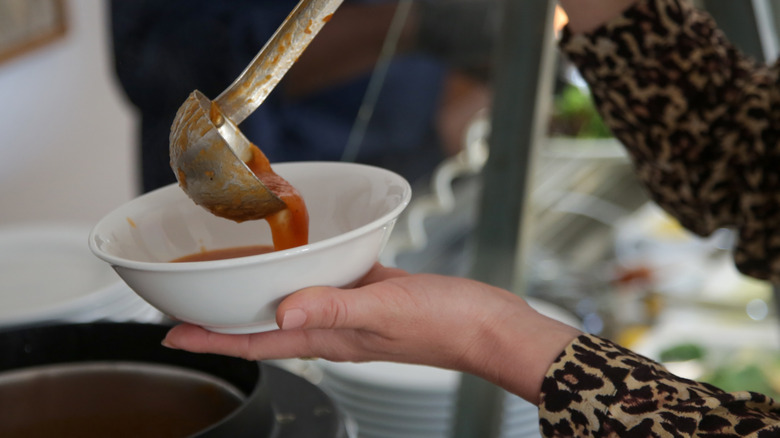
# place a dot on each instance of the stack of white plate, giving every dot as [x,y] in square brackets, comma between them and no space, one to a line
[391,400]
[520,419]
[49,275]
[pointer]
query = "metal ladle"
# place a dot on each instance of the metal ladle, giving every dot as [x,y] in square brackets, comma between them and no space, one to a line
[209,153]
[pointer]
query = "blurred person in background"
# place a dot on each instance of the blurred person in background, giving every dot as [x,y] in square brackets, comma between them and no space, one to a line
[436,80]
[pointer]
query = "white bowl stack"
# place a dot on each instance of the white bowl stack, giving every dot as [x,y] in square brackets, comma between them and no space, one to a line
[391,400]
[49,275]
[520,419]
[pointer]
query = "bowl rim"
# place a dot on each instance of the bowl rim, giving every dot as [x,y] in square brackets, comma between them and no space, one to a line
[267,257]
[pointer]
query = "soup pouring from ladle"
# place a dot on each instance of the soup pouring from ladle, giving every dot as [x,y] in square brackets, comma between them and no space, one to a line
[209,153]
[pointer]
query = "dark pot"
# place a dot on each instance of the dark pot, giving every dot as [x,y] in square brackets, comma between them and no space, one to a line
[112,372]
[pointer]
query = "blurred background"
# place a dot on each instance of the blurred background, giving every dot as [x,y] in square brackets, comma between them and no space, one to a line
[569,226]
[66,141]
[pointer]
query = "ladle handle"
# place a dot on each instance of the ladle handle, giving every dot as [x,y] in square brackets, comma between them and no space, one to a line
[268,67]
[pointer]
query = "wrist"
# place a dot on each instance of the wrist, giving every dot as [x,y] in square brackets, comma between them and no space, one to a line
[519,349]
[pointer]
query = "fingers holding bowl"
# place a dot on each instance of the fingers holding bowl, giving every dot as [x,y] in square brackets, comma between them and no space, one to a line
[276,344]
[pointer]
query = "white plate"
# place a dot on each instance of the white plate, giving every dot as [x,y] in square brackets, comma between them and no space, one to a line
[47,272]
[520,420]
[379,405]
[395,425]
[513,403]
[394,377]
[374,394]
[412,415]
[554,311]
[124,302]
[370,431]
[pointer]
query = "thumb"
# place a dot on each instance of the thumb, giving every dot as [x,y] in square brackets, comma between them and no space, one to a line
[323,307]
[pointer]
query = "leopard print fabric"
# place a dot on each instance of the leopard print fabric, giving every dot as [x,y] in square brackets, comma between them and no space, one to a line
[702,125]
[700,121]
[598,389]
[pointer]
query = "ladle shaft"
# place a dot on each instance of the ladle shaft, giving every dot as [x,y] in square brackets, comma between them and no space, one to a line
[268,67]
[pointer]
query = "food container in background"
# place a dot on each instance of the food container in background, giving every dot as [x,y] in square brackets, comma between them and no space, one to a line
[115,379]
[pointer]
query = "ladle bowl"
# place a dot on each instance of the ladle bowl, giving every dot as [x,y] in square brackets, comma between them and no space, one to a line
[207,149]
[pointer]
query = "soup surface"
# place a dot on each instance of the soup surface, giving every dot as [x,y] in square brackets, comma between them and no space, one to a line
[225,253]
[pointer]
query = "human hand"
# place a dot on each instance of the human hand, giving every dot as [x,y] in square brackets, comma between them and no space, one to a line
[394,316]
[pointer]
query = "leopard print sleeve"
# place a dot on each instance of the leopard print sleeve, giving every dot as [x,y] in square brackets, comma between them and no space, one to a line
[700,121]
[598,389]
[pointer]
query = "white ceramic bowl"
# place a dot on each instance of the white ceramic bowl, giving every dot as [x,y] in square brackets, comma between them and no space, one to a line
[352,210]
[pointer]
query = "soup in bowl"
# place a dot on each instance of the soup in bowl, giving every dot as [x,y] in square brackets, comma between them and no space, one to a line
[151,242]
